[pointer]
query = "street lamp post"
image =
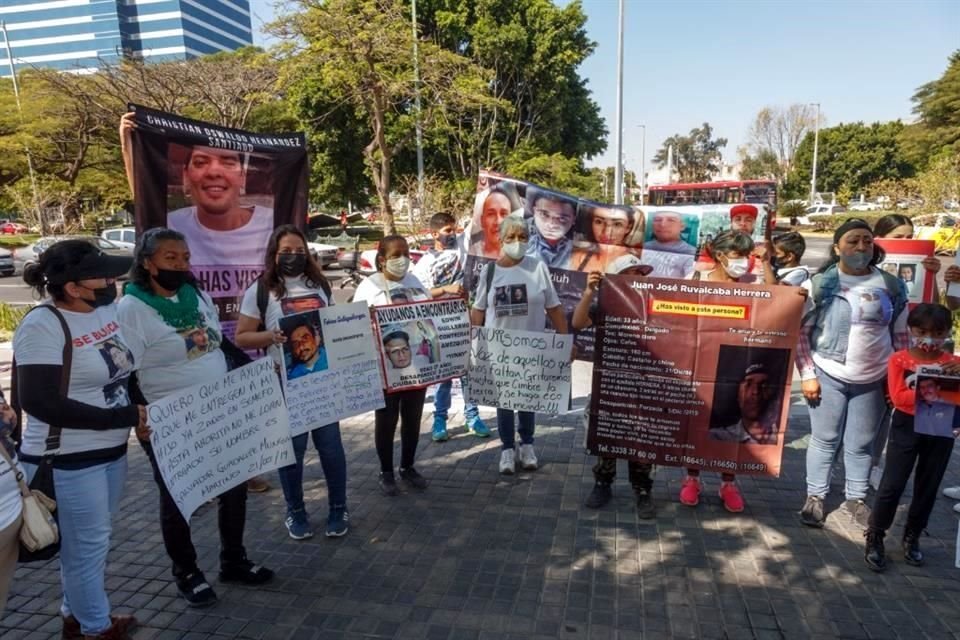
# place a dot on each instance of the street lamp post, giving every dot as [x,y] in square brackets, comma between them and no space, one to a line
[643,162]
[816,144]
[618,179]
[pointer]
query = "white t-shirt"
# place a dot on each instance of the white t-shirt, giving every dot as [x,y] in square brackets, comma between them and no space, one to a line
[11,504]
[299,298]
[373,290]
[668,264]
[209,247]
[439,268]
[869,346]
[519,296]
[170,360]
[102,362]
[794,276]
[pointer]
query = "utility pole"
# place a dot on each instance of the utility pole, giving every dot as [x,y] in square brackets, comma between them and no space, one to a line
[416,82]
[643,162]
[816,143]
[618,194]
[16,95]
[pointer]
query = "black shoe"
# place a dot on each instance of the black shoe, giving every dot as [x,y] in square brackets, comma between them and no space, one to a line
[874,554]
[196,591]
[413,478]
[388,485]
[600,496]
[911,548]
[244,572]
[858,511]
[812,512]
[646,510]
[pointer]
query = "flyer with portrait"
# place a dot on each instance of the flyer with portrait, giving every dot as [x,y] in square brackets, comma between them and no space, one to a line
[904,259]
[935,411]
[421,343]
[693,373]
[224,189]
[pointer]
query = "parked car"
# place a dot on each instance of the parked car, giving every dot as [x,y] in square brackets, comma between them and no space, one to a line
[6,263]
[325,254]
[31,253]
[823,210]
[865,206]
[9,227]
[121,236]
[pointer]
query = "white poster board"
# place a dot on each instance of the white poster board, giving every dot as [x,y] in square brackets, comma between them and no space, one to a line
[210,438]
[349,384]
[520,370]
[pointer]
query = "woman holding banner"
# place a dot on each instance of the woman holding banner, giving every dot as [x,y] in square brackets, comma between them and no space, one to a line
[517,272]
[394,283]
[293,284]
[66,388]
[730,252]
[854,319]
[161,309]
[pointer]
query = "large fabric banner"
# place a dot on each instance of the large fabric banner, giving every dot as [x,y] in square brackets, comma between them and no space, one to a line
[693,374]
[331,366]
[423,342]
[520,370]
[574,236]
[213,437]
[904,259]
[224,189]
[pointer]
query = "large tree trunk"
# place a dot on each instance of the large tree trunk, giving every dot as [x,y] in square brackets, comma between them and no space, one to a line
[380,168]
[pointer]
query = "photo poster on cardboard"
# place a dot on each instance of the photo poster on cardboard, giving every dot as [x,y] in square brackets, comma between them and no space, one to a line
[693,374]
[520,370]
[331,366]
[422,343]
[224,189]
[215,436]
[935,409]
[574,236]
[904,259]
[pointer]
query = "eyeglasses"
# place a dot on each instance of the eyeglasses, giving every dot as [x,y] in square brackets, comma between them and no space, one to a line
[550,216]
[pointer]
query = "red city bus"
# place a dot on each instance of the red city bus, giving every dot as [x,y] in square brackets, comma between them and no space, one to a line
[727,192]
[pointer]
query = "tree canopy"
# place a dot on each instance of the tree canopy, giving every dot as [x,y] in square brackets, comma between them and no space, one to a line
[696,156]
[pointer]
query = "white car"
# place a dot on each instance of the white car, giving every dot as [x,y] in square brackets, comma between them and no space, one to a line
[819,210]
[864,206]
[125,237]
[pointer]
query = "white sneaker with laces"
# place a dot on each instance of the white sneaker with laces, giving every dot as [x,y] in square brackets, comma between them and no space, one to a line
[528,458]
[952,492]
[508,461]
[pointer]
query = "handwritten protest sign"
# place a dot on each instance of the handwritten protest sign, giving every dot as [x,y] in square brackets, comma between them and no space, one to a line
[423,342]
[343,379]
[211,438]
[520,370]
[693,374]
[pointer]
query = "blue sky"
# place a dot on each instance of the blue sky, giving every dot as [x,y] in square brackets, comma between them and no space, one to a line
[695,61]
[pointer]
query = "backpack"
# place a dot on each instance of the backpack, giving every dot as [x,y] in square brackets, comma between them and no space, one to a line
[263,299]
[894,285]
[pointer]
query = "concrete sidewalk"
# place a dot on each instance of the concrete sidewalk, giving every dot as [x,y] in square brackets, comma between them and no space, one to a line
[483,556]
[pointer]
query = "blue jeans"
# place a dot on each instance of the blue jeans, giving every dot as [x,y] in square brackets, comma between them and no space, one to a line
[87,499]
[507,427]
[329,446]
[849,414]
[441,401]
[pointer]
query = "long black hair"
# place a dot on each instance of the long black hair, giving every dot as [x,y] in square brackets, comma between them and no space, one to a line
[147,246]
[850,225]
[313,272]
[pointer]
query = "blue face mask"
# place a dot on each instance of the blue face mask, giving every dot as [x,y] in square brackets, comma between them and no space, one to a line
[857,261]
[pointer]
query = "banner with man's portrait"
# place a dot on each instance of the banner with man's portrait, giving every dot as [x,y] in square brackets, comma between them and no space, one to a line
[693,373]
[224,189]
[574,236]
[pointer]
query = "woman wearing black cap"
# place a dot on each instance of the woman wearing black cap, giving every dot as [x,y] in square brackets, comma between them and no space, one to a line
[94,417]
[854,319]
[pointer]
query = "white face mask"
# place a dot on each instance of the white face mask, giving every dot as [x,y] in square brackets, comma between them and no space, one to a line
[515,250]
[397,267]
[736,267]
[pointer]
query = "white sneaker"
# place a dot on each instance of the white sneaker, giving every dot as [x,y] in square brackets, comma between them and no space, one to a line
[528,458]
[507,461]
[952,492]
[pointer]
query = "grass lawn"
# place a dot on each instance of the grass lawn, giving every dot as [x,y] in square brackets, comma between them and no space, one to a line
[14,242]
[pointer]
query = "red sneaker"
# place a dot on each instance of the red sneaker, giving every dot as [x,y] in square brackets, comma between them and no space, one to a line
[730,494]
[690,491]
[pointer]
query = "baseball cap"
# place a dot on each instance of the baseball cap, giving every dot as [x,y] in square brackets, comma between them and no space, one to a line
[628,261]
[84,261]
[744,209]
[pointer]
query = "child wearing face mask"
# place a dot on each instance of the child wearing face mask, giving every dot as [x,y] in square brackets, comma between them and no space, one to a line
[731,252]
[393,284]
[908,451]
[441,271]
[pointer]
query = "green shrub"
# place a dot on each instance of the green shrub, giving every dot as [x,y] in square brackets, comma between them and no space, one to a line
[10,317]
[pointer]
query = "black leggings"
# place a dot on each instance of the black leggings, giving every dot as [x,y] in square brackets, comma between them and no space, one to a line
[407,407]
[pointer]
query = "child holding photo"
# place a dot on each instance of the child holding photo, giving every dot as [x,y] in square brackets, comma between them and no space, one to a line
[929,326]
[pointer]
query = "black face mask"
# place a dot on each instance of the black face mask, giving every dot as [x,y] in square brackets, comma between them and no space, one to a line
[447,240]
[775,263]
[172,279]
[102,296]
[292,264]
